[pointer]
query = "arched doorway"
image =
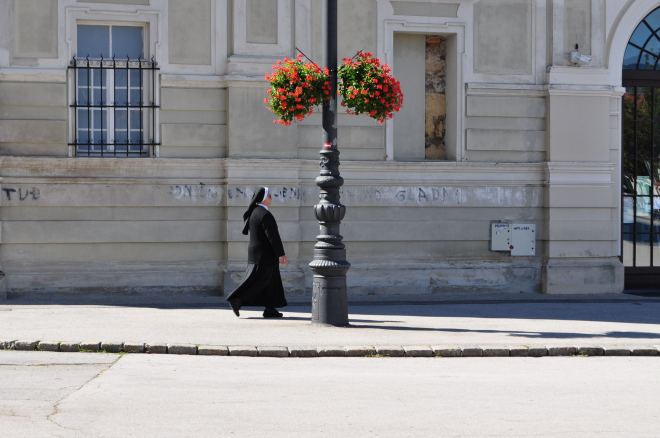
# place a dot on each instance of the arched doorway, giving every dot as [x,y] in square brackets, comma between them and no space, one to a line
[640,252]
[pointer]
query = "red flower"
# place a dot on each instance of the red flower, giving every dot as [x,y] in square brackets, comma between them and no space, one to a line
[368,87]
[296,87]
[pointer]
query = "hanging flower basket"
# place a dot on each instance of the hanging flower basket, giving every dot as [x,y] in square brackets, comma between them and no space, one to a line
[367,87]
[296,88]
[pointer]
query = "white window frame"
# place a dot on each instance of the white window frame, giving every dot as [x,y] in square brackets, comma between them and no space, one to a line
[109,85]
[115,15]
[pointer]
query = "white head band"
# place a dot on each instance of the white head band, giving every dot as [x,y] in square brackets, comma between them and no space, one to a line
[265,194]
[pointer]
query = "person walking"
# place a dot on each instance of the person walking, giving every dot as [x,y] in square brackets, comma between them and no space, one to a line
[261,284]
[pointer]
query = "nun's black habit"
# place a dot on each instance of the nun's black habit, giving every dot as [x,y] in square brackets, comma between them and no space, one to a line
[261,285]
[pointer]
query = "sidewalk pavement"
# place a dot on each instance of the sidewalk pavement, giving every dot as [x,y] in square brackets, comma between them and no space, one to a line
[465,321]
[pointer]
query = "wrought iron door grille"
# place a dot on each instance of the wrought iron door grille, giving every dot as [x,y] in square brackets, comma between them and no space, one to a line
[114,108]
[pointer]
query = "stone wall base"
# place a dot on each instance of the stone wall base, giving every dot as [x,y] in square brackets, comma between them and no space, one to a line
[582,276]
[418,281]
[214,278]
[191,277]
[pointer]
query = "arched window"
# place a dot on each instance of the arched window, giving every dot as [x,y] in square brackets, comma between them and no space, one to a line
[643,51]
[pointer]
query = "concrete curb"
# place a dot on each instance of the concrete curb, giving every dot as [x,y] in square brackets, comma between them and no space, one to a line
[333,351]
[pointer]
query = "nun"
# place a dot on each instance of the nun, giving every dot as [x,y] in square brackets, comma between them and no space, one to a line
[261,285]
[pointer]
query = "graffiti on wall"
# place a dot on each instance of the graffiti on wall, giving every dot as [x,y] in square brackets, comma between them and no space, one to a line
[196,191]
[21,194]
[280,194]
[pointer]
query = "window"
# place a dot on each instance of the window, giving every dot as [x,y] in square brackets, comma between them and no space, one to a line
[115,98]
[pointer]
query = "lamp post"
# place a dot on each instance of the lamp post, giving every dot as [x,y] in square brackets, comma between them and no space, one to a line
[329,298]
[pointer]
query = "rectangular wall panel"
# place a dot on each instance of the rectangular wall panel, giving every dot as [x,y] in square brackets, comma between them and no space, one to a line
[189,32]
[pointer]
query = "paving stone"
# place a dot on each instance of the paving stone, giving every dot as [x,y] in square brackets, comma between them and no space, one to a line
[212,350]
[537,351]
[645,351]
[133,347]
[519,351]
[591,351]
[243,350]
[330,352]
[562,351]
[156,348]
[418,351]
[360,351]
[90,346]
[6,345]
[70,347]
[616,350]
[273,351]
[302,352]
[495,351]
[112,347]
[26,345]
[390,350]
[190,349]
[447,351]
[49,346]
[472,352]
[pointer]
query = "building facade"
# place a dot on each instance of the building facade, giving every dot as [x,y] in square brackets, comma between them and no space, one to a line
[132,133]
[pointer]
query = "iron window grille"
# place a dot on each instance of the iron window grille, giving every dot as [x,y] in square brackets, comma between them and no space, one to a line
[115,107]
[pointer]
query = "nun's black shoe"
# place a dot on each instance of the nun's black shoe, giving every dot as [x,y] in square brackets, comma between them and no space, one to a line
[235,306]
[271,313]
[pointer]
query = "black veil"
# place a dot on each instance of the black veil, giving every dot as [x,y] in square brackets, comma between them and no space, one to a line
[256,199]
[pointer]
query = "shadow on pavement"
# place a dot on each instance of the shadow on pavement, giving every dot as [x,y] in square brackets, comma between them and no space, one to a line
[523,334]
[624,309]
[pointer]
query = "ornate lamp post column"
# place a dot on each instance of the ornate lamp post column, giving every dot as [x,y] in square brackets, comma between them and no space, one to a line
[329,301]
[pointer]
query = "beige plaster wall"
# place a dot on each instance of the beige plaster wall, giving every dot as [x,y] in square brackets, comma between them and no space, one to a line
[189,32]
[577,25]
[579,127]
[173,223]
[193,122]
[262,21]
[33,119]
[119,2]
[357,27]
[410,69]
[441,226]
[111,225]
[251,132]
[503,37]
[501,127]
[35,29]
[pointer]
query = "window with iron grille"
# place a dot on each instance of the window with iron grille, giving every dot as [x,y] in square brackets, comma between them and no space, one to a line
[114,108]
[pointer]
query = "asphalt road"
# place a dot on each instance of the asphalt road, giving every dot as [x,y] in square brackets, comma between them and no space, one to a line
[102,395]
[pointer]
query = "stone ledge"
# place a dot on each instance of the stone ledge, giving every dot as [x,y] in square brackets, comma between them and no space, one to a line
[273,351]
[390,350]
[190,349]
[243,350]
[26,345]
[70,347]
[49,346]
[212,350]
[90,346]
[302,352]
[133,347]
[334,351]
[112,347]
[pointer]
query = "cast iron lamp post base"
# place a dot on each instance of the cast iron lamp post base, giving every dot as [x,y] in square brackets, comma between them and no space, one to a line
[329,298]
